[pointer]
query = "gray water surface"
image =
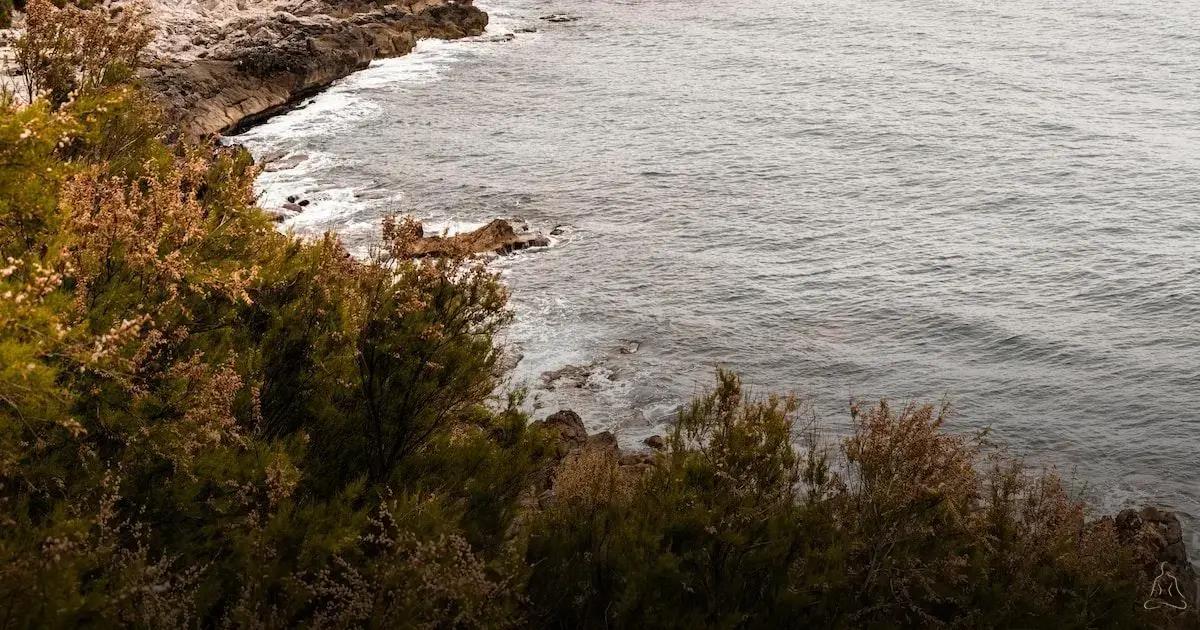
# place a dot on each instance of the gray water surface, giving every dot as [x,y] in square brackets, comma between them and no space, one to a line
[997,203]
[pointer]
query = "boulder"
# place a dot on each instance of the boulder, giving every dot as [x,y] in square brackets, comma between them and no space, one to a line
[655,442]
[498,237]
[604,440]
[567,427]
[1156,537]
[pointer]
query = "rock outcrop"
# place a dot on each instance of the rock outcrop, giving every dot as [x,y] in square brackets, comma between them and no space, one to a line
[1173,587]
[220,65]
[570,439]
[498,237]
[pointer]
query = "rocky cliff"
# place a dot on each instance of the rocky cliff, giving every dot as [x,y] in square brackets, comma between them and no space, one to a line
[223,64]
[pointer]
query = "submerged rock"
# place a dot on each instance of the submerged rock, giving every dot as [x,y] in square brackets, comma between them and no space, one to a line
[559,17]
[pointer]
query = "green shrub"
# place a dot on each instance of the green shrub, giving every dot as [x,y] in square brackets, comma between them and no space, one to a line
[737,527]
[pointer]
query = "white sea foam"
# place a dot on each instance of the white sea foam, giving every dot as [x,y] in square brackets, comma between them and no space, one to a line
[287,139]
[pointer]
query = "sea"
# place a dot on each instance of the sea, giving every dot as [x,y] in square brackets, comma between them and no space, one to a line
[990,203]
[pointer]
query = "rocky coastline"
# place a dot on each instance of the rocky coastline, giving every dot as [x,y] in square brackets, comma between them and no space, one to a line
[222,66]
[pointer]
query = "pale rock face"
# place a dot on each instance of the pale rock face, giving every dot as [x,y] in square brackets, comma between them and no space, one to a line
[219,64]
[188,29]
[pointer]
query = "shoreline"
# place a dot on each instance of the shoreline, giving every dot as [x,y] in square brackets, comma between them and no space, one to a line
[247,70]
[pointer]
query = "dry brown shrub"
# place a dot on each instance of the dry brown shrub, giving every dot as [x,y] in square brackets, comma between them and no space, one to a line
[65,51]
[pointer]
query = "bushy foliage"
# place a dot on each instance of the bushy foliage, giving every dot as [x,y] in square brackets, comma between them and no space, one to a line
[201,417]
[68,50]
[903,525]
[205,422]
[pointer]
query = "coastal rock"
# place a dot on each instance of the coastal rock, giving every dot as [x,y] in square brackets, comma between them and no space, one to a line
[567,427]
[655,442]
[604,440]
[576,376]
[559,17]
[280,215]
[293,207]
[1156,537]
[499,237]
[220,65]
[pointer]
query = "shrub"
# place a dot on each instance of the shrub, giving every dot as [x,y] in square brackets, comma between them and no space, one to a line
[153,327]
[737,527]
[71,50]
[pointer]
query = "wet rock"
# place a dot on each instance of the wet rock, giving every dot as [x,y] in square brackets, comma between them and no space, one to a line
[293,207]
[275,163]
[603,440]
[292,198]
[558,230]
[631,347]
[279,215]
[576,376]
[504,37]
[559,17]
[526,29]
[495,237]
[655,442]
[305,203]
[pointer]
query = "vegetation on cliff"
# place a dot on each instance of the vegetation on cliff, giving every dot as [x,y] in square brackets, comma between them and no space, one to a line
[205,422]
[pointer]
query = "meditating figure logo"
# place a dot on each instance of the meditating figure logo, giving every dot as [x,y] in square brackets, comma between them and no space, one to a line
[1164,591]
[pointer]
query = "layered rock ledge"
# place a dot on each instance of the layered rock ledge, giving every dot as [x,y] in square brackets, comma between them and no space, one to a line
[221,65]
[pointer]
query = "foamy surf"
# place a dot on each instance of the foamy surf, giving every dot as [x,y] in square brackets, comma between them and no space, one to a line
[293,170]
